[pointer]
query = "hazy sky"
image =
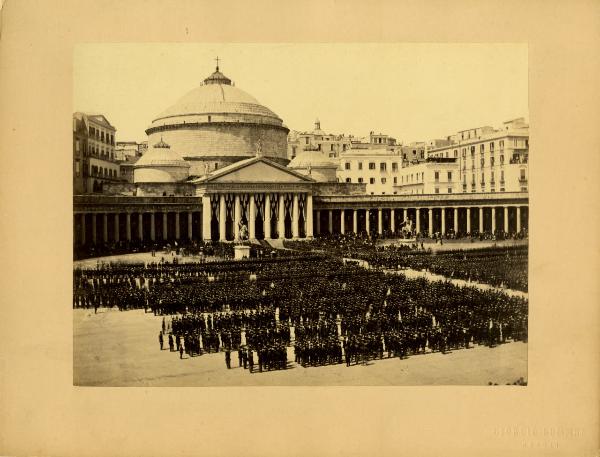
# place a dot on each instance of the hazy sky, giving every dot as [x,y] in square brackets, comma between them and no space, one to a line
[414,92]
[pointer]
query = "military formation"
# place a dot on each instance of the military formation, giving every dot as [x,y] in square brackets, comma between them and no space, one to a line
[323,310]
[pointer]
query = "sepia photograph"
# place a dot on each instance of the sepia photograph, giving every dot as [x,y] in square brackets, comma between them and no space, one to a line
[299,228]
[239,220]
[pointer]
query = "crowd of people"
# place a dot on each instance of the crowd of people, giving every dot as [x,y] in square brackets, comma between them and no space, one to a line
[504,266]
[329,311]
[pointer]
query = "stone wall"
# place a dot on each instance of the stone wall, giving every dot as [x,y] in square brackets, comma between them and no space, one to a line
[179,189]
[339,188]
[224,139]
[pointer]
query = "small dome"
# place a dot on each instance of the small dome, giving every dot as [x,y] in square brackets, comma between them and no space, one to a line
[316,165]
[161,155]
[312,159]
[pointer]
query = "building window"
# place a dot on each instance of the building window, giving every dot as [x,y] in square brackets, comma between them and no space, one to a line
[293,151]
[347,166]
[383,180]
[404,156]
[492,146]
[306,139]
[449,176]
[382,166]
[77,168]
[501,144]
[437,190]
[216,165]
[360,165]
[522,174]
[348,179]
[371,180]
[492,161]
[449,190]
[360,180]
[472,151]
[446,154]
[395,180]
[464,152]
[319,146]
[455,153]
[77,145]
[436,175]
[331,147]
[501,159]
[394,166]
[501,175]
[371,165]
[422,154]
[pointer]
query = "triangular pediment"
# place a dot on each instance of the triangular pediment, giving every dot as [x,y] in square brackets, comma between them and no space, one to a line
[256,170]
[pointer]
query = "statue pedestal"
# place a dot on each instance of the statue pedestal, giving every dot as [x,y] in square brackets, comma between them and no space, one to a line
[241,252]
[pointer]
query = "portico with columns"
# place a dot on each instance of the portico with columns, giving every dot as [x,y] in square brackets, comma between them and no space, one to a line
[258,197]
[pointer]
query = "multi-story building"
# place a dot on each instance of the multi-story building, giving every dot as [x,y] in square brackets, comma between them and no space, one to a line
[125,149]
[491,160]
[317,140]
[436,175]
[376,141]
[94,161]
[413,153]
[377,168]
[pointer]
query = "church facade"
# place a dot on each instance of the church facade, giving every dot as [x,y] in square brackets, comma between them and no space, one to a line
[217,165]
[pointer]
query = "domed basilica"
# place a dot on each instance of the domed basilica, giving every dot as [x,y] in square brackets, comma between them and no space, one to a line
[217,167]
[216,124]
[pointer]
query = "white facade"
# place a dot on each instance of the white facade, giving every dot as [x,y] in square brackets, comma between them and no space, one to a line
[431,177]
[491,160]
[377,168]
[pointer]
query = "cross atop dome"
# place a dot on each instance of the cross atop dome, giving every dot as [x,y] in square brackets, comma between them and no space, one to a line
[217,77]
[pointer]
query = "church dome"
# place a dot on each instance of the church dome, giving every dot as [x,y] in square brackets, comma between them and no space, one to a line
[160,164]
[216,99]
[316,165]
[217,124]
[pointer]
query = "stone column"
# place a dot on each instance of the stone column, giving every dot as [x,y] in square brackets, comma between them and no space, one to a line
[392,220]
[342,222]
[141,226]
[506,219]
[404,214]
[355,221]
[468,220]
[379,221]
[105,227]
[430,221]
[309,216]
[418,219]
[267,223]
[518,219]
[94,237]
[117,227]
[222,218]
[367,222]
[318,215]
[480,219]
[281,217]
[330,221]
[295,217]
[237,216]
[152,226]
[206,216]
[189,224]
[177,229]
[83,228]
[251,218]
[165,230]
[128,227]
[455,220]
[493,219]
[443,211]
